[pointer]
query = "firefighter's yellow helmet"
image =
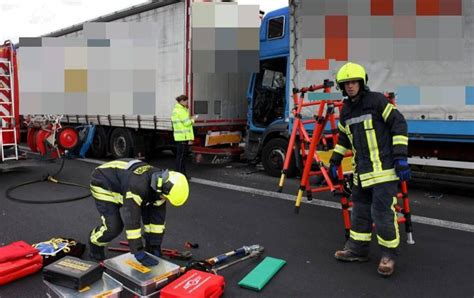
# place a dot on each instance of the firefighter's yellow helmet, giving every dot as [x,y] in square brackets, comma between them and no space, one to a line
[178,195]
[351,72]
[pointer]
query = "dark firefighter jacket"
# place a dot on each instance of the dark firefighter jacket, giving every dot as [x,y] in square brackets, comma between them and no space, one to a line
[127,183]
[376,132]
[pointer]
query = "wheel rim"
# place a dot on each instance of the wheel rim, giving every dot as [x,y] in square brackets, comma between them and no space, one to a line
[277,158]
[120,146]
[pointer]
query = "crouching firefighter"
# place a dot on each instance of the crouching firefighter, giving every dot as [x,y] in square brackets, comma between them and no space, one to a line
[142,190]
[376,132]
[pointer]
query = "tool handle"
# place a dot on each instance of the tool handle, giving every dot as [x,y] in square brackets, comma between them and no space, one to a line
[119,249]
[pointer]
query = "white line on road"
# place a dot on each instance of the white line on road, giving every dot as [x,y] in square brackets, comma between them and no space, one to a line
[418,219]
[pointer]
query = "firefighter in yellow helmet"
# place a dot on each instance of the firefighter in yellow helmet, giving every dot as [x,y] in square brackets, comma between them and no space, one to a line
[376,132]
[142,190]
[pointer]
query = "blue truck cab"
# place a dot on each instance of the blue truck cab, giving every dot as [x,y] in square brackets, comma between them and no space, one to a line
[268,96]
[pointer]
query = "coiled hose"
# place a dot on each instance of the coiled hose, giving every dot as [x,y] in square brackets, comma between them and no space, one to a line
[47,178]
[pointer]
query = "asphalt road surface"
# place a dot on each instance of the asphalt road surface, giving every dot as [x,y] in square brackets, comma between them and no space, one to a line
[235,205]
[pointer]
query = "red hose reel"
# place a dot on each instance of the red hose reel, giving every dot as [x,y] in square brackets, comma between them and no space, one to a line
[46,141]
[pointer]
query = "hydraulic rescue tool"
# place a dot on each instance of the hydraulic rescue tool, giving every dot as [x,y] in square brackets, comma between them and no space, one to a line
[244,252]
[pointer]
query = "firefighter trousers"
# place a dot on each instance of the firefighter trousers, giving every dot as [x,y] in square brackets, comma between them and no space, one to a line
[374,205]
[153,218]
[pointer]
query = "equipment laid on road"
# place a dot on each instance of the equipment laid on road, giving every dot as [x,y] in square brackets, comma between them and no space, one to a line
[138,279]
[57,248]
[106,287]
[201,279]
[195,284]
[170,253]
[72,273]
[245,252]
[47,178]
[261,275]
[17,260]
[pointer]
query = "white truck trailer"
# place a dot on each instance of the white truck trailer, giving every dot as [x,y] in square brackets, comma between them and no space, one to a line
[148,42]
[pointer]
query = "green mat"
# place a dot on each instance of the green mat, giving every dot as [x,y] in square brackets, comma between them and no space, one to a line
[261,275]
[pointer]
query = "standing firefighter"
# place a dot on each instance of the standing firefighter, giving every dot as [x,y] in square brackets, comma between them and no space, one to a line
[182,131]
[376,132]
[142,191]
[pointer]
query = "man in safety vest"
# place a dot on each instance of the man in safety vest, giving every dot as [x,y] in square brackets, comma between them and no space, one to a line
[376,132]
[142,190]
[182,131]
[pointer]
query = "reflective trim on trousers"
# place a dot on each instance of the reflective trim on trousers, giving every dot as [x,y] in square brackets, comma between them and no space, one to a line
[360,236]
[106,195]
[97,234]
[395,242]
[155,229]
[133,234]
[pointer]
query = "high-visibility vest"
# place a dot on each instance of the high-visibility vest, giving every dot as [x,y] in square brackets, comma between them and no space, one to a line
[182,124]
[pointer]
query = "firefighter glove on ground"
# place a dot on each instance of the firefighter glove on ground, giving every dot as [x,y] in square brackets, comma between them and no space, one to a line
[332,171]
[145,259]
[403,169]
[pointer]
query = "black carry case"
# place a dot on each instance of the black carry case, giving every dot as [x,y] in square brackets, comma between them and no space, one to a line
[72,273]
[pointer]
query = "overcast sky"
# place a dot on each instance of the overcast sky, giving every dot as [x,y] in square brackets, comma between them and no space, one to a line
[30,18]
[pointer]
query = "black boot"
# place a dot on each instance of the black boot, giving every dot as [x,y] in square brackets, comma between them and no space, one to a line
[96,253]
[153,249]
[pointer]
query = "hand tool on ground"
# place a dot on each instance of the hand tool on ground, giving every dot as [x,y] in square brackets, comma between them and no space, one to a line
[245,253]
[188,244]
[171,253]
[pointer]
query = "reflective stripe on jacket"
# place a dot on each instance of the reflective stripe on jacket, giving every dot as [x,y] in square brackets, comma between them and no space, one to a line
[376,132]
[127,183]
[182,124]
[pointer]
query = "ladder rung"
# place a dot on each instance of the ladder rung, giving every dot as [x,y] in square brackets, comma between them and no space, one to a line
[4,75]
[6,116]
[8,144]
[5,103]
[5,89]
[7,130]
[10,158]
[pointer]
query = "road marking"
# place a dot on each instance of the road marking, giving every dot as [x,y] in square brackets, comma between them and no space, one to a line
[414,218]
[273,194]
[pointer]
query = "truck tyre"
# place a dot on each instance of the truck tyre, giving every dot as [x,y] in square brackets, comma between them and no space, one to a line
[98,147]
[121,143]
[273,158]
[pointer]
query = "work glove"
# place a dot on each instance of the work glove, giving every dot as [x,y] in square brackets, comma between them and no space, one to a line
[145,259]
[402,169]
[332,171]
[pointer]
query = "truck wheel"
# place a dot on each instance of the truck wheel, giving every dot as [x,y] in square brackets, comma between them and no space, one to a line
[273,158]
[121,143]
[98,147]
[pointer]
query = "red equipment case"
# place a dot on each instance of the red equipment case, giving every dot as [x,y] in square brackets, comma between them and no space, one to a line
[195,284]
[17,260]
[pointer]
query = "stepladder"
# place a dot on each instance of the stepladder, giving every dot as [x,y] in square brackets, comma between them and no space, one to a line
[315,145]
